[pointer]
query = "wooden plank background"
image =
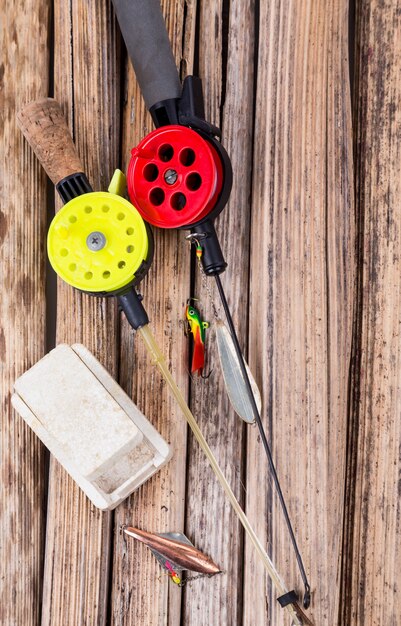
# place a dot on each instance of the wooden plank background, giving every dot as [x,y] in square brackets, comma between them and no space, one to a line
[303,226]
[77,555]
[312,234]
[23,76]
[373,542]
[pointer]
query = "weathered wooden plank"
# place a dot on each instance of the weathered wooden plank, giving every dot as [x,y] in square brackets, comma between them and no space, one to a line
[373,543]
[301,295]
[86,63]
[226,48]
[141,592]
[24,75]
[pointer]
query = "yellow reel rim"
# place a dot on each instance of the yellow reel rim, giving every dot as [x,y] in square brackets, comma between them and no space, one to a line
[125,247]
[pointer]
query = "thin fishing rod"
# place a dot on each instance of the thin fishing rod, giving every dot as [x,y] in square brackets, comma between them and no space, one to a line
[307,595]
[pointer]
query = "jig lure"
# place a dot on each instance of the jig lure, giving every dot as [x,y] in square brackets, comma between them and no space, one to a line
[197,328]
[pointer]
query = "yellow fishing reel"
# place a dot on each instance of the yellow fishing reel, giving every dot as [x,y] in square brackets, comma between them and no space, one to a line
[99,243]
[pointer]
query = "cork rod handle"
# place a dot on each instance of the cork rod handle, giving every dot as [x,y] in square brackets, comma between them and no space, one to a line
[45,129]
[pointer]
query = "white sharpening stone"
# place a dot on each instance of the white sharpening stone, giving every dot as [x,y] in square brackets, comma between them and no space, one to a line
[89,424]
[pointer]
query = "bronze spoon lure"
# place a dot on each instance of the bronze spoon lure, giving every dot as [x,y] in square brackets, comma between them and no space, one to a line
[176,550]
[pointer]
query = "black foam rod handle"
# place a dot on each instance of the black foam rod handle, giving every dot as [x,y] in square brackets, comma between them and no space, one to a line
[145,35]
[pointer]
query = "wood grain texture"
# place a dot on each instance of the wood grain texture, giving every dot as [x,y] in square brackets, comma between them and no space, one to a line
[141,592]
[289,227]
[302,276]
[23,76]
[86,65]
[226,48]
[373,544]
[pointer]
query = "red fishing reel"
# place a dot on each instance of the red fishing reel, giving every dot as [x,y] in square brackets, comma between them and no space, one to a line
[175,177]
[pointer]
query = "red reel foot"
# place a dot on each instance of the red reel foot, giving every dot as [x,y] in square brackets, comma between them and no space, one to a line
[174,177]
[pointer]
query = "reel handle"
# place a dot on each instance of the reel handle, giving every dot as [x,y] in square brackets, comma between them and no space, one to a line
[45,128]
[146,38]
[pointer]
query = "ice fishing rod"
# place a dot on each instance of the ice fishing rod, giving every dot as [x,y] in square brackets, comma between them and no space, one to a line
[99,244]
[180,175]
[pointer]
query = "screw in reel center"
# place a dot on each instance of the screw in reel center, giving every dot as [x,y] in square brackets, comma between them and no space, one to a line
[170,176]
[96,241]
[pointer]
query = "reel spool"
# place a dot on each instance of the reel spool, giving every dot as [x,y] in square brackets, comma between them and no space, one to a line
[99,243]
[175,177]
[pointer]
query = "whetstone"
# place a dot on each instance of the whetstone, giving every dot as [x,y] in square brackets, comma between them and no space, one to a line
[89,424]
